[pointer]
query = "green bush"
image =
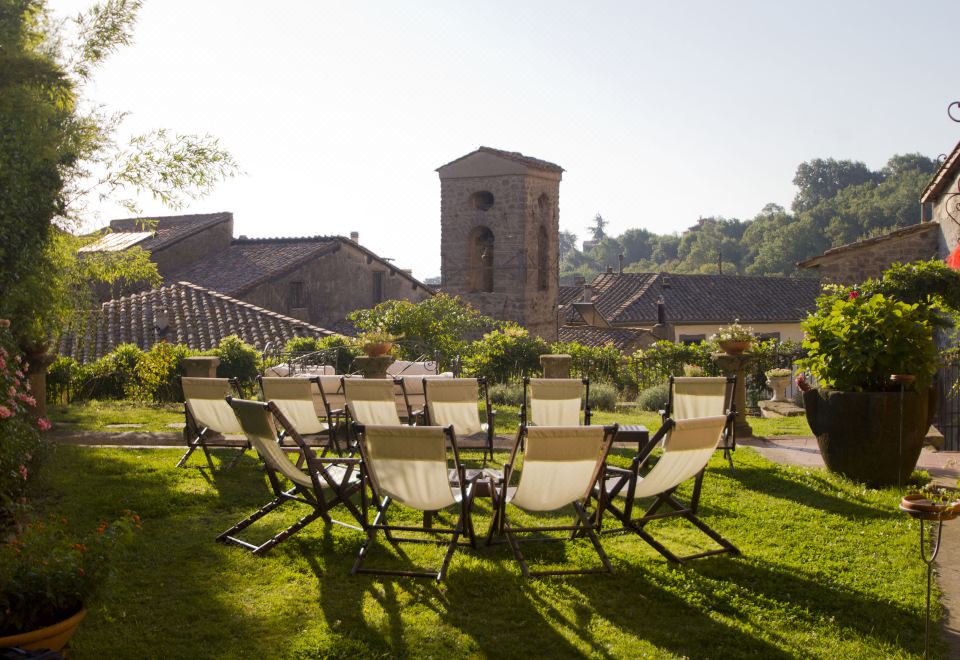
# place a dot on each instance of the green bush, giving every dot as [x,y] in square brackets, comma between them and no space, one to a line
[654,398]
[857,343]
[601,364]
[506,394]
[663,359]
[237,359]
[302,345]
[603,396]
[63,377]
[505,355]
[159,373]
[114,375]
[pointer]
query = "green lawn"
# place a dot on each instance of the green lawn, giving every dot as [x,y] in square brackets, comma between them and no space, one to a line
[98,415]
[829,570]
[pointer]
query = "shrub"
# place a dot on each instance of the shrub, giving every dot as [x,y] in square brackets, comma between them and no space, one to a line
[857,343]
[159,373]
[663,359]
[654,398]
[63,377]
[506,394]
[509,353]
[237,359]
[603,396]
[302,345]
[114,375]
[598,363]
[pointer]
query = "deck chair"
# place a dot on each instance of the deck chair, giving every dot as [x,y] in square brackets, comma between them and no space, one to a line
[294,398]
[453,402]
[334,406]
[561,467]
[411,391]
[691,397]
[555,402]
[408,464]
[688,445]
[208,415]
[326,483]
[371,401]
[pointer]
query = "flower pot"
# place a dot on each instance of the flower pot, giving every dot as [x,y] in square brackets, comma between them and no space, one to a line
[733,347]
[53,637]
[859,433]
[377,349]
[917,505]
[779,385]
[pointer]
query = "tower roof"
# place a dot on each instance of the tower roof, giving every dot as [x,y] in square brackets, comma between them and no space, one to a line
[513,156]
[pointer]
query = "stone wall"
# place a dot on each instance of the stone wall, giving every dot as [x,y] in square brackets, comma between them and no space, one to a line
[949,228]
[335,285]
[854,264]
[192,249]
[522,204]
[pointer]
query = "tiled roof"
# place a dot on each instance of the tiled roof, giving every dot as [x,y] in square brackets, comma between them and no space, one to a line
[897,233]
[631,298]
[516,156]
[251,261]
[620,338]
[197,317]
[943,176]
[169,229]
[569,294]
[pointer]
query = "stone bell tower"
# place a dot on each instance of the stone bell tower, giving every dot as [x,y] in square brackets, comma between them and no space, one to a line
[500,236]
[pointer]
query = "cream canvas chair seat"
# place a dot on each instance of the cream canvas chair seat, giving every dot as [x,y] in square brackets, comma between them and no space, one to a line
[561,467]
[295,398]
[323,485]
[409,465]
[688,445]
[453,402]
[555,402]
[371,401]
[208,416]
[691,397]
[411,401]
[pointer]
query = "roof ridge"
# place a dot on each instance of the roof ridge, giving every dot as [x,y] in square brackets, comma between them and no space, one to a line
[282,239]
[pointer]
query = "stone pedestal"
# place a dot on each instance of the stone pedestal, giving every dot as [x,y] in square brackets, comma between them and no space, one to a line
[37,374]
[556,366]
[736,365]
[201,367]
[779,385]
[373,367]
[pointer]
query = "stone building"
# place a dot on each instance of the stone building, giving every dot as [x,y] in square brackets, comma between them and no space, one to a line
[940,202]
[499,242]
[318,279]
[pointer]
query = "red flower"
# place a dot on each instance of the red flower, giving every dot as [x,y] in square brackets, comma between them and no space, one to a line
[802,383]
[44,424]
[854,294]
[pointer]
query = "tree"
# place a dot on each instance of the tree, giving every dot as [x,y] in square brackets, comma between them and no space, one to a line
[568,243]
[596,229]
[57,153]
[820,179]
[637,245]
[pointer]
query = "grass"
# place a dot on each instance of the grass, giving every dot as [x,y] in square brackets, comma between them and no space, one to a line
[829,569]
[97,415]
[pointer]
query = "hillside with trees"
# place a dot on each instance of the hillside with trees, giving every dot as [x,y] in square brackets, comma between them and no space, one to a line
[837,202]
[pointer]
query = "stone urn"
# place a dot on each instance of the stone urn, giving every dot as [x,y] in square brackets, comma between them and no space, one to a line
[860,433]
[377,349]
[733,346]
[779,385]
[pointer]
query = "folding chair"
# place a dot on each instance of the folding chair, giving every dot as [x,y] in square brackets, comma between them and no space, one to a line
[408,464]
[561,466]
[371,401]
[688,445]
[208,415]
[692,397]
[295,399]
[411,392]
[328,482]
[555,402]
[453,402]
[334,406]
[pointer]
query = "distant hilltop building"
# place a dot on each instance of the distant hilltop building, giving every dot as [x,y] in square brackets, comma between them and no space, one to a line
[500,236]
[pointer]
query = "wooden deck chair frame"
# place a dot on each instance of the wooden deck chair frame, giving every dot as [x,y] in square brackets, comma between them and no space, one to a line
[326,484]
[463,525]
[527,416]
[471,423]
[678,410]
[628,479]
[582,524]
[200,423]
[336,412]
[296,402]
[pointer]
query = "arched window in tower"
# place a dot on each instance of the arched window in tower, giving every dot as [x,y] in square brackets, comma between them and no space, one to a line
[543,203]
[543,259]
[480,259]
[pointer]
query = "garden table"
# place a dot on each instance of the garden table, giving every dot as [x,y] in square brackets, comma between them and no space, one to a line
[633,433]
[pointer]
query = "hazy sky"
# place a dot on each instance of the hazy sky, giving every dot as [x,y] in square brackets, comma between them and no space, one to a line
[660,112]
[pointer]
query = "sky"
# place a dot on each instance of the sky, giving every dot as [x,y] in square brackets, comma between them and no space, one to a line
[660,112]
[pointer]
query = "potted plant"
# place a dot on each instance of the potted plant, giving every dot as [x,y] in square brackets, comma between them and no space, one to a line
[734,339]
[377,343]
[778,380]
[869,426]
[47,577]
[931,503]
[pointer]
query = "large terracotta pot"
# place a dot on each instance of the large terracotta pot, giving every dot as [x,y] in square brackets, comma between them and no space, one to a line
[734,347]
[53,637]
[859,433]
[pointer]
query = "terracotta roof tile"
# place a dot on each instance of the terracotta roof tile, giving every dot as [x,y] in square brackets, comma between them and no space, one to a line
[620,338]
[169,229]
[197,317]
[516,156]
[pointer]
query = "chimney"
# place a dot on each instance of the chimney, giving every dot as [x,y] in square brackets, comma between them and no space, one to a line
[609,269]
[579,280]
[243,237]
[620,258]
[587,293]
[355,236]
